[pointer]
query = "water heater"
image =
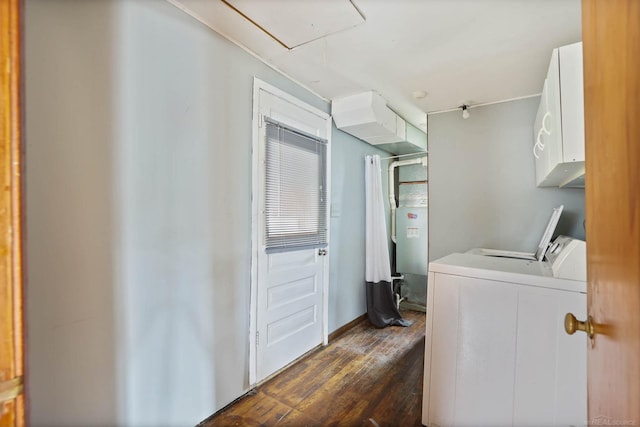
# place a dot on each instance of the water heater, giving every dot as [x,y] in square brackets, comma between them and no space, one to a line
[411,237]
[411,221]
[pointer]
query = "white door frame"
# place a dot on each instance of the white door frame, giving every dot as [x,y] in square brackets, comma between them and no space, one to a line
[259,85]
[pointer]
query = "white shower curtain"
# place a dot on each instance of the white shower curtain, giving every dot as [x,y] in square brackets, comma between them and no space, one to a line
[378,267]
[381,308]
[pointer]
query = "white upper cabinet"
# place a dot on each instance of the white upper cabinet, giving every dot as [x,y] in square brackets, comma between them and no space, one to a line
[559,125]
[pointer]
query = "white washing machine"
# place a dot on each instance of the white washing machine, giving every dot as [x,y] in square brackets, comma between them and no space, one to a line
[496,351]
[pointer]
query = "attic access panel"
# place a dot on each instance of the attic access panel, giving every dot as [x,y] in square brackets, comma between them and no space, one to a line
[295,23]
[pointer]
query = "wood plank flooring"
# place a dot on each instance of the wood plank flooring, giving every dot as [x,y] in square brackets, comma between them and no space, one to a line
[365,377]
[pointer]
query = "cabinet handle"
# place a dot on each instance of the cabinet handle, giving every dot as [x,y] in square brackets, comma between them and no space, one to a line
[538,145]
[543,128]
[571,325]
[535,154]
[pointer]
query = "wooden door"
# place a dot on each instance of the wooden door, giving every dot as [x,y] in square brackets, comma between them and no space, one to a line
[611,38]
[11,335]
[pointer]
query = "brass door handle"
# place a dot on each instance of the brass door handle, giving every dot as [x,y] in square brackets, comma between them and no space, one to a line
[571,325]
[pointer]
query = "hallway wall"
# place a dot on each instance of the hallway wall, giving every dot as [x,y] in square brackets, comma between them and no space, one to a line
[139,214]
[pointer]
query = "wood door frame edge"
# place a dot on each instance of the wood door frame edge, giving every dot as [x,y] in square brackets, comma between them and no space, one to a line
[11,55]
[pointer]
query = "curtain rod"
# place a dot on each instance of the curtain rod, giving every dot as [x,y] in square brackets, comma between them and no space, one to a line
[484,104]
[425,153]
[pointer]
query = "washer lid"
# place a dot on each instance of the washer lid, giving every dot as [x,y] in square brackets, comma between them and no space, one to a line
[524,272]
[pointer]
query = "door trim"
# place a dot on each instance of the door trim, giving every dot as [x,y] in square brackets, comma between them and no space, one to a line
[12,210]
[259,85]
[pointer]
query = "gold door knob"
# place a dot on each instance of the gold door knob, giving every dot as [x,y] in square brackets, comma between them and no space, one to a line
[571,325]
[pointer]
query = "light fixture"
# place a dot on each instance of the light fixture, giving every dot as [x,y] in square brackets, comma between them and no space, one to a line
[419,94]
[465,111]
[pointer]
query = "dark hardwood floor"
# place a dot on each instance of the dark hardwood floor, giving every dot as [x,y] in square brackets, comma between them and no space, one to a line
[365,377]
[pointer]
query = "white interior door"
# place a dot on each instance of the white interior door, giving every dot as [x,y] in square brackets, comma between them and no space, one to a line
[289,292]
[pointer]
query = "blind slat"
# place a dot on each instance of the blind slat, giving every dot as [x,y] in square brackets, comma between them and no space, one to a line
[295,189]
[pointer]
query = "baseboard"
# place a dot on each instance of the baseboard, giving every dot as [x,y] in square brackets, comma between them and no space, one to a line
[412,306]
[344,328]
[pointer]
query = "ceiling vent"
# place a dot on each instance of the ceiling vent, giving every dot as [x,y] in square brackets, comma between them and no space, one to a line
[366,116]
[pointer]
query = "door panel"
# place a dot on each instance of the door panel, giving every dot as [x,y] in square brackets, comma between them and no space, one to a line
[11,217]
[290,288]
[611,36]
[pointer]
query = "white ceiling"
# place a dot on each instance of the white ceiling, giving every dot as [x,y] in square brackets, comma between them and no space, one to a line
[457,51]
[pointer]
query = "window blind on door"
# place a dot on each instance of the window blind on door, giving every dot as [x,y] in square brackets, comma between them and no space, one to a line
[296,188]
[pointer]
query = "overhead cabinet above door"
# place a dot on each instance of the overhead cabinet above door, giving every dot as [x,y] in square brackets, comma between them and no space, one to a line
[559,126]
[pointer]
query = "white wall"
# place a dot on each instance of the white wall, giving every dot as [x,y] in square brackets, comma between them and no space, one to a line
[70,209]
[482,190]
[139,214]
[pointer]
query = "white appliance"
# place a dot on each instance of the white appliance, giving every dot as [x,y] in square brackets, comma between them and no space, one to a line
[496,351]
[542,246]
[568,258]
[366,116]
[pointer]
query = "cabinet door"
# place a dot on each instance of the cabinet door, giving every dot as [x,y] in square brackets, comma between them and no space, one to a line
[540,137]
[572,102]
[549,130]
[559,125]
